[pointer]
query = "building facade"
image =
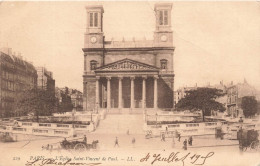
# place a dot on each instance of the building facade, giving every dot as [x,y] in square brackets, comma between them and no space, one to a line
[16,75]
[77,100]
[235,93]
[181,93]
[128,74]
[45,80]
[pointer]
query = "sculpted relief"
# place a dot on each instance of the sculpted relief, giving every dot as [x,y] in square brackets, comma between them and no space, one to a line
[127,65]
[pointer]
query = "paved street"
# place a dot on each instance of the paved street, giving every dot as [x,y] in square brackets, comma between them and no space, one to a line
[116,126]
[142,146]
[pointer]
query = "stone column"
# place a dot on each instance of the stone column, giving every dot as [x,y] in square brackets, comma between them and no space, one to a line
[97,92]
[132,92]
[155,92]
[108,93]
[120,92]
[144,92]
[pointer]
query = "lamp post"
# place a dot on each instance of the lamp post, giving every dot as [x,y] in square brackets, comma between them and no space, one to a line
[73,123]
[145,111]
[91,116]
[156,118]
[97,107]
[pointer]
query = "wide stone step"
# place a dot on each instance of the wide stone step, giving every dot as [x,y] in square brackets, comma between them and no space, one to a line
[121,123]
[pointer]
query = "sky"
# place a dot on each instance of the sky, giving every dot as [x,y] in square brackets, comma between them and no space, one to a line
[214,41]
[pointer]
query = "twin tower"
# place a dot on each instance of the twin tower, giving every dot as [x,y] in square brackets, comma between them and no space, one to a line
[128,76]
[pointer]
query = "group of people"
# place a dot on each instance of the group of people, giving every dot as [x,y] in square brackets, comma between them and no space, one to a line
[189,142]
[117,142]
[128,133]
[178,135]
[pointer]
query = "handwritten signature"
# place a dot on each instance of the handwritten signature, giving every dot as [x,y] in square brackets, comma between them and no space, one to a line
[51,161]
[177,157]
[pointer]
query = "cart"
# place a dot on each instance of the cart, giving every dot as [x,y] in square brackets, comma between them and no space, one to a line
[78,145]
[248,140]
[71,145]
[6,137]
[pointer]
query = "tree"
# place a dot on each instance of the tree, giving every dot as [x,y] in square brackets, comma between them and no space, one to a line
[66,104]
[35,101]
[203,99]
[249,106]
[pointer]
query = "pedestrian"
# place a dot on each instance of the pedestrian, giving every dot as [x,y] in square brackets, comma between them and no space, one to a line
[127,132]
[185,144]
[163,137]
[116,142]
[173,142]
[240,120]
[133,141]
[190,140]
[179,136]
[85,139]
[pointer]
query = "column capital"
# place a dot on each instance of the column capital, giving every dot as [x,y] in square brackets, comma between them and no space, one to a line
[155,77]
[144,77]
[120,77]
[108,78]
[97,77]
[132,77]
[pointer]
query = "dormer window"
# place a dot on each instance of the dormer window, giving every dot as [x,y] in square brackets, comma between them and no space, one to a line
[93,65]
[163,17]
[163,64]
[93,19]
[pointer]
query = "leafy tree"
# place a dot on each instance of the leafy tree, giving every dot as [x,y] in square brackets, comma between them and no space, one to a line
[249,105]
[35,101]
[66,104]
[201,99]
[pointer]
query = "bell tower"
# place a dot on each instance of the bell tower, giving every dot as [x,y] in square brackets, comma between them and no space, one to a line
[163,33]
[94,32]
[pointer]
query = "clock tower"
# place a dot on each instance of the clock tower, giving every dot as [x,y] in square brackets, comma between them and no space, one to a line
[94,34]
[163,33]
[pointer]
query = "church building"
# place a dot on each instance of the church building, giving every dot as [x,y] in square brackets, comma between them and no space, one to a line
[128,75]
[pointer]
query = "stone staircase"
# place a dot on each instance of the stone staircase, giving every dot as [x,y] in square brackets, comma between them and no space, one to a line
[125,111]
[120,123]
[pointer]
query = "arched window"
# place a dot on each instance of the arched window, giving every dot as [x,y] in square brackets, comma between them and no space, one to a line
[163,64]
[93,65]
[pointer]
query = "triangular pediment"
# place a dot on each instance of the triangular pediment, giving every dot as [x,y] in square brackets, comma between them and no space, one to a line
[127,65]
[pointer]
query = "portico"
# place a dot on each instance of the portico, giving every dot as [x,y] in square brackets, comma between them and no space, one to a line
[135,97]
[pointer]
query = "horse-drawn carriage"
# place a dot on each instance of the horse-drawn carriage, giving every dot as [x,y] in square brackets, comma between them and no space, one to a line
[6,137]
[78,145]
[74,144]
[248,139]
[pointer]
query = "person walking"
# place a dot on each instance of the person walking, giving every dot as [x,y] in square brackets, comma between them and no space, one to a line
[190,140]
[133,141]
[85,139]
[179,137]
[116,143]
[173,142]
[185,144]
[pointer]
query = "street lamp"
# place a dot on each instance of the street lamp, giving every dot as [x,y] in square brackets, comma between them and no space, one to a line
[156,118]
[97,107]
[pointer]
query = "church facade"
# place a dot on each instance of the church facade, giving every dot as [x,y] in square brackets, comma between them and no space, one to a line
[128,74]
